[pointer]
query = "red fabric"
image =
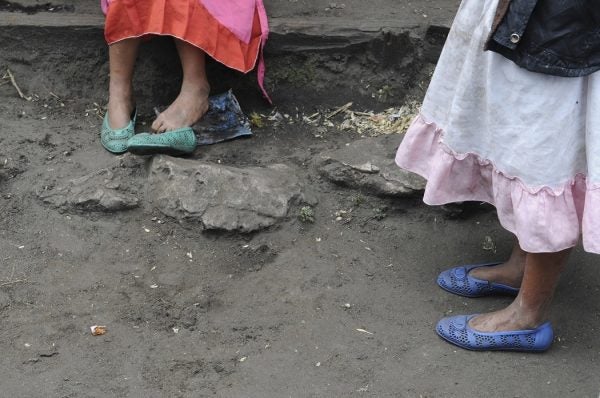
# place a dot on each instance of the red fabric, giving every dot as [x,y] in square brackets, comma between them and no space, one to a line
[187,20]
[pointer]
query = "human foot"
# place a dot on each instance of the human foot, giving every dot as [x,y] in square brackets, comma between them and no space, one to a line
[189,107]
[457,330]
[510,318]
[117,127]
[119,112]
[459,280]
[120,102]
[509,273]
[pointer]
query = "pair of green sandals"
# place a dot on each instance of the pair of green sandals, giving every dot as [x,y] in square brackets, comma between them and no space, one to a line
[175,142]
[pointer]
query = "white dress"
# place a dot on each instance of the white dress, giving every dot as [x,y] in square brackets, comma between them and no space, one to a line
[528,143]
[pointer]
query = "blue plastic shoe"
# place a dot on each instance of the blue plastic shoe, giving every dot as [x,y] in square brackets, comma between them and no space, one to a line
[176,142]
[458,281]
[456,330]
[115,141]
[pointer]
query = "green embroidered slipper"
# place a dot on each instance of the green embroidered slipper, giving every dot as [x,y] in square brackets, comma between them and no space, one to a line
[115,141]
[176,142]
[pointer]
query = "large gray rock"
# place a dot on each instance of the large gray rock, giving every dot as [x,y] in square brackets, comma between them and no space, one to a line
[109,190]
[368,164]
[222,197]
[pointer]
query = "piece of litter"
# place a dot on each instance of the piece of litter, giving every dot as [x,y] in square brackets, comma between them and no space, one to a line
[146,229]
[245,246]
[189,254]
[153,286]
[175,330]
[347,305]
[488,244]
[318,364]
[242,359]
[318,239]
[27,345]
[98,330]
[363,331]
[21,247]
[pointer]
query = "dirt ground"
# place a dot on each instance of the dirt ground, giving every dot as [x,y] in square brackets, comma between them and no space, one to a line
[334,308]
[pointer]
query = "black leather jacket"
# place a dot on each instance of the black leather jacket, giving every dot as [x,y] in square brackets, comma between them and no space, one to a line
[557,37]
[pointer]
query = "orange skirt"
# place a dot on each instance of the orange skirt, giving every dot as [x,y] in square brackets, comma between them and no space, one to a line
[187,20]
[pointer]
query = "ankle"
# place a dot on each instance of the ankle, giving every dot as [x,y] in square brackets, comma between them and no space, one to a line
[528,317]
[198,87]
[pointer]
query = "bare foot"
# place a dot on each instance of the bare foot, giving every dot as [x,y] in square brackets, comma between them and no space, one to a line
[509,273]
[507,319]
[506,274]
[189,107]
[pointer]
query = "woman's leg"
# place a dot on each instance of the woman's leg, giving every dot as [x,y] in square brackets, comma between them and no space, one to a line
[509,273]
[122,63]
[192,102]
[530,308]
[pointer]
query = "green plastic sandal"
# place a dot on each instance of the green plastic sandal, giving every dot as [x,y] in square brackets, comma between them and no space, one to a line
[115,141]
[176,142]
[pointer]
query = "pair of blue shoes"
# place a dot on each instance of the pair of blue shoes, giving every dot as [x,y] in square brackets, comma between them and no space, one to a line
[176,142]
[456,329]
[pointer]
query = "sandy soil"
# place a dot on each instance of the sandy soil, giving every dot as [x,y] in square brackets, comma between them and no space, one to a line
[270,314]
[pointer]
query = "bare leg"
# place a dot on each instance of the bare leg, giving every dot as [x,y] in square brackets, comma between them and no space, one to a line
[509,273]
[192,102]
[122,62]
[530,308]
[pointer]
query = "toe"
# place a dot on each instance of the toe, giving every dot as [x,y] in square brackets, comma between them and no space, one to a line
[158,122]
[166,126]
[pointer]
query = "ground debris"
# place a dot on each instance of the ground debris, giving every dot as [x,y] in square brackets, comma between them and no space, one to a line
[488,244]
[390,121]
[98,330]
[307,214]
[9,75]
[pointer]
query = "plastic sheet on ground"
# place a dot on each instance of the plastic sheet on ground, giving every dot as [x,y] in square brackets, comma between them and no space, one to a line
[223,121]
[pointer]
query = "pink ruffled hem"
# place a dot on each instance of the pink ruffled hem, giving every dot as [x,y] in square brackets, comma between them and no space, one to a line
[544,219]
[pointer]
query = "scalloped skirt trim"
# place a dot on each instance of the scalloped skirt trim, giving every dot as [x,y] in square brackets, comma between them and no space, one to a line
[544,219]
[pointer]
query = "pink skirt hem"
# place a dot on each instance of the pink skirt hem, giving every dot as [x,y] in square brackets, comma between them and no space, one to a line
[545,219]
